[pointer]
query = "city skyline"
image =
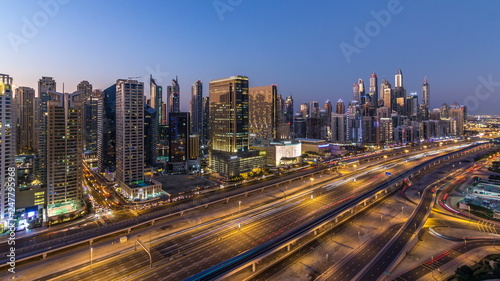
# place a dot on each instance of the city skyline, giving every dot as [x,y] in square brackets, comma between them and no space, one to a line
[282,50]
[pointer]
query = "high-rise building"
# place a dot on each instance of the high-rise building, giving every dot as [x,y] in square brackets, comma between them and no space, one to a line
[304,110]
[91,122]
[313,109]
[340,107]
[129,132]
[262,112]
[173,96]
[288,110]
[412,105]
[206,120]
[45,85]
[387,94]
[399,94]
[106,128]
[25,104]
[150,135]
[63,157]
[178,141]
[355,92]
[229,153]
[156,99]
[361,92]
[85,87]
[7,149]
[339,126]
[458,115]
[196,108]
[426,95]
[373,91]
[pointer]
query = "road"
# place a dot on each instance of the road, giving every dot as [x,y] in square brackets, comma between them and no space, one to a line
[223,240]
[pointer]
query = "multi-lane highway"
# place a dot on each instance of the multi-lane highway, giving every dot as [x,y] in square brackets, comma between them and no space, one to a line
[255,229]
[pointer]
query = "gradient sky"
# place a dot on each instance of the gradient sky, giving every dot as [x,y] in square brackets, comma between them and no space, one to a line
[295,44]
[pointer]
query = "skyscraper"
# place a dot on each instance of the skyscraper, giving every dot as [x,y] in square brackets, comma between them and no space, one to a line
[387,94]
[399,94]
[426,93]
[106,127]
[262,111]
[426,98]
[129,132]
[206,120]
[289,111]
[150,135]
[229,153]
[373,92]
[156,98]
[196,108]
[45,85]
[178,141]
[7,149]
[173,93]
[361,92]
[25,103]
[340,107]
[63,157]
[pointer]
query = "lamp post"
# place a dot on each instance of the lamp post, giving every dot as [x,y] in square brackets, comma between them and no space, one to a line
[468,208]
[312,182]
[239,206]
[91,252]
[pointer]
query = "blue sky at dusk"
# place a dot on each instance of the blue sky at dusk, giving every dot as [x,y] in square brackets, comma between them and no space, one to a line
[295,44]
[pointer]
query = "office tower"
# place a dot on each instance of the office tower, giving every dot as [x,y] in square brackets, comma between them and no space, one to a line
[373,91]
[340,108]
[313,109]
[7,150]
[412,105]
[64,121]
[304,110]
[399,94]
[173,93]
[387,94]
[339,126]
[262,112]
[206,120]
[355,92]
[106,128]
[129,132]
[178,141]
[328,107]
[196,108]
[299,126]
[289,111]
[156,99]
[313,127]
[91,108]
[282,127]
[426,95]
[426,92]
[353,123]
[25,103]
[458,115]
[229,153]
[361,92]
[150,135]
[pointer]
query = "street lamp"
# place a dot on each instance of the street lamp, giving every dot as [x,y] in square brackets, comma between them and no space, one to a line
[402,211]
[312,180]
[91,252]
[239,206]
[468,208]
